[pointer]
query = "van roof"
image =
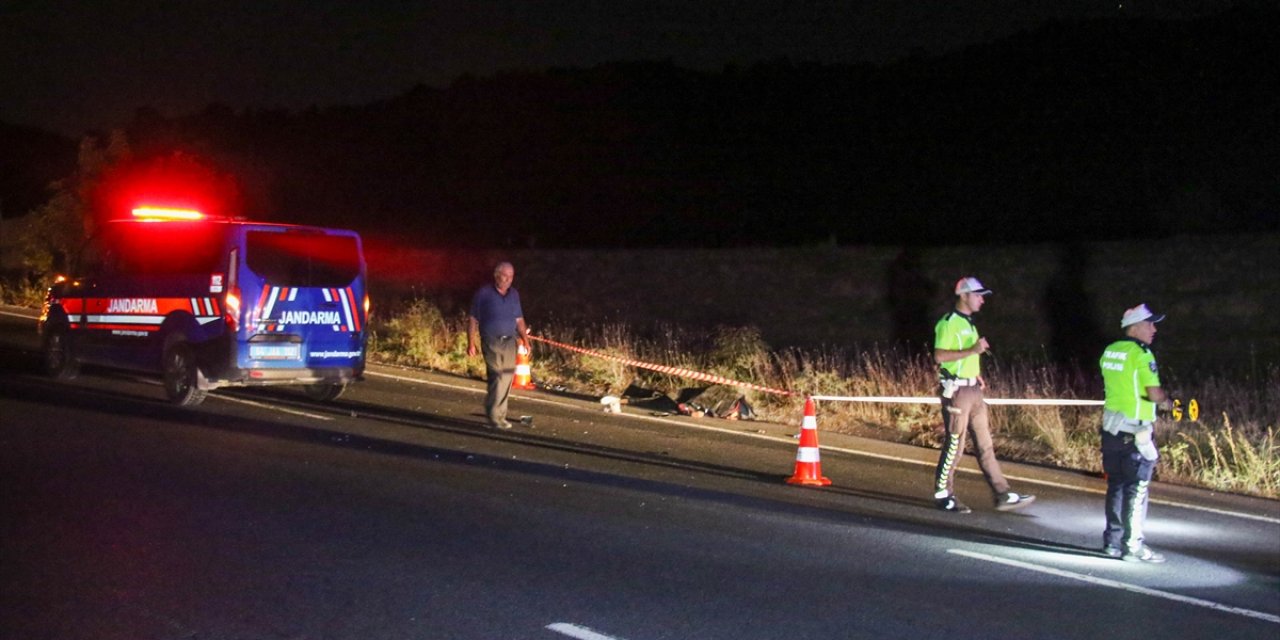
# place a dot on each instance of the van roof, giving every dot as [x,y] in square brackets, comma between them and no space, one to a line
[239,222]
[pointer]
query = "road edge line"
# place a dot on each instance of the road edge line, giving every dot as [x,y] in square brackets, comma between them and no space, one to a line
[1116,584]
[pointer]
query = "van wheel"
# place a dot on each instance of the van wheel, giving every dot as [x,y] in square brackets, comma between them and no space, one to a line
[182,376]
[59,360]
[323,391]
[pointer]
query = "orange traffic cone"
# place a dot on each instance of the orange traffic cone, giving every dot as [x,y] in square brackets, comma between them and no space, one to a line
[808,464]
[524,369]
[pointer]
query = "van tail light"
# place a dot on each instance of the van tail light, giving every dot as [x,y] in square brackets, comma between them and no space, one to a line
[232,314]
[366,307]
[232,306]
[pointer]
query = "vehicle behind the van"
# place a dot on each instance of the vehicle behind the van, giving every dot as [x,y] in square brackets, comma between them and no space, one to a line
[208,303]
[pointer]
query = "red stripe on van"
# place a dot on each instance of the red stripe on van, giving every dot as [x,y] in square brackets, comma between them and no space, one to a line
[262,300]
[355,309]
[337,297]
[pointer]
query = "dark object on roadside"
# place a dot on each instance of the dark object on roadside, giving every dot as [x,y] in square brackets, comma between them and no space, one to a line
[739,410]
[721,400]
[649,400]
[691,409]
[717,401]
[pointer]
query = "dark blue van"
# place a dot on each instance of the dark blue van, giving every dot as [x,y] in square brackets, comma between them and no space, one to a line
[208,303]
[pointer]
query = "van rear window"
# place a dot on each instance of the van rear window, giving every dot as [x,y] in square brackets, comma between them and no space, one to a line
[294,259]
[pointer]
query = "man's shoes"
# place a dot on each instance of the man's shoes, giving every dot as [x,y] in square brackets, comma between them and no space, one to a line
[1143,554]
[501,425]
[1112,551]
[950,503]
[1010,501]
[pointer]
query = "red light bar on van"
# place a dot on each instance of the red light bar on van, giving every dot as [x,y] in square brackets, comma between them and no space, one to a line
[164,213]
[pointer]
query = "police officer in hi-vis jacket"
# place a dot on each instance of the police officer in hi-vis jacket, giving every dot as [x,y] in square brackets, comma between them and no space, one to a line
[957,348]
[1133,391]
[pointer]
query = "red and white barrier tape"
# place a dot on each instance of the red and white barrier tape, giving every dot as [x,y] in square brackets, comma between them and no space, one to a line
[675,371]
[707,377]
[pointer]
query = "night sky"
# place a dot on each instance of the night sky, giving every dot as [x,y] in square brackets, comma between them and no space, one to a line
[69,66]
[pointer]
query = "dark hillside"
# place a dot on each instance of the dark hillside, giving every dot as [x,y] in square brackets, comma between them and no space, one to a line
[1100,129]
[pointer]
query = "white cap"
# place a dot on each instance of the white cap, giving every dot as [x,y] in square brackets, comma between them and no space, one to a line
[1138,314]
[971,285]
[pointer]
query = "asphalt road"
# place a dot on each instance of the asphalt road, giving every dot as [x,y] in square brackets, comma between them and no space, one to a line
[393,513]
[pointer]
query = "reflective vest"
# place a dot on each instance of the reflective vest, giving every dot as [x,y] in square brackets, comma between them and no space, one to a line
[1128,368]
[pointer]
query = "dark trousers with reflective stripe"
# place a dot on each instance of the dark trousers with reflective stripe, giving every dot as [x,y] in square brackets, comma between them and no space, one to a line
[500,371]
[964,413]
[1128,479]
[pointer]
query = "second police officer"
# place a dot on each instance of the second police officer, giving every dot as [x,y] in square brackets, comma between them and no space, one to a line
[957,349]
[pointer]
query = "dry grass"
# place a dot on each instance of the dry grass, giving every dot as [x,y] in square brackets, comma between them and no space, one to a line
[20,292]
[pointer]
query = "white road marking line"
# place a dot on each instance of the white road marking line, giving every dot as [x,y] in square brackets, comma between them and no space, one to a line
[392,376]
[1069,487]
[1114,584]
[521,398]
[252,403]
[264,405]
[854,452]
[575,631]
[1221,512]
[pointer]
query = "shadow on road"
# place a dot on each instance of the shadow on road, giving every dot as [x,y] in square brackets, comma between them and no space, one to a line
[766,492]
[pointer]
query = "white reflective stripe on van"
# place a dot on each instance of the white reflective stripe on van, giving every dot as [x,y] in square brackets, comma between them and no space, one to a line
[123,319]
[271,302]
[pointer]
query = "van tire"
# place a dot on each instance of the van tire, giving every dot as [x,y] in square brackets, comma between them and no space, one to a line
[182,376]
[324,391]
[58,358]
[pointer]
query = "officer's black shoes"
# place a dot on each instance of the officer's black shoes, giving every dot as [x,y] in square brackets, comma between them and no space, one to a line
[1010,501]
[1112,551]
[1143,554]
[950,503]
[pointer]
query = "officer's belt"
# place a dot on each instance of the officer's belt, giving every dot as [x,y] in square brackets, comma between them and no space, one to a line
[960,382]
[1115,423]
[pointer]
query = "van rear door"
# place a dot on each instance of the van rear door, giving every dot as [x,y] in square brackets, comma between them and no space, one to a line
[304,291]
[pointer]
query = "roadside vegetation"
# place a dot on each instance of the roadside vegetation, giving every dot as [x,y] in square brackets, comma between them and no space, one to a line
[1234,448]
[23,292]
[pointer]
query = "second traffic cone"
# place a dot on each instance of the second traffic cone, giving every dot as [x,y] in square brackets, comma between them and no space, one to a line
[808,465]
[524,369]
